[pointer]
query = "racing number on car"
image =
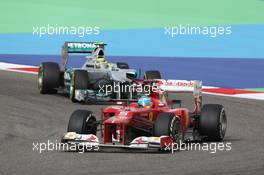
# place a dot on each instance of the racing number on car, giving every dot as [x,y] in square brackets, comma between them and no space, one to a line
[150,116]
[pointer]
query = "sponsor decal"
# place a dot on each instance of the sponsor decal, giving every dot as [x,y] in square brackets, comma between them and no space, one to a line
[178,83]
[81,45]
[139,140]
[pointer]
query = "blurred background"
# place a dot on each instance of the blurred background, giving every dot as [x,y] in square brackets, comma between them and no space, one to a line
[135,33]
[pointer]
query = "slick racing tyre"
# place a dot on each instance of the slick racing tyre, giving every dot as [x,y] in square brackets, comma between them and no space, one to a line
[152,74]
[48,77]
[82,122]
[80,80]
[122,65]
[213,122]
[167,124]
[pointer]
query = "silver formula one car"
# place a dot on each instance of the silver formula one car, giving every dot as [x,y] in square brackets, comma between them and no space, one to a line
[96,80]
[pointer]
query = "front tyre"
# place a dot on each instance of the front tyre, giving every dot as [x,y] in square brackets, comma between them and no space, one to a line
[82,122]
[167,124]
[79,81]
[213,122]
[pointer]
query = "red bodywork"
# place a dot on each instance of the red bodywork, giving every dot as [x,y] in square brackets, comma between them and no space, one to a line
[118,120]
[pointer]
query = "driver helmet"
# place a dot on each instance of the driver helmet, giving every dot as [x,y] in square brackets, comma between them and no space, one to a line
[145,102]
[101,61]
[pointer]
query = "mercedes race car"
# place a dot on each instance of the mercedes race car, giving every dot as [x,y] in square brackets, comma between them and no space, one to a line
[94,81]
[152,123]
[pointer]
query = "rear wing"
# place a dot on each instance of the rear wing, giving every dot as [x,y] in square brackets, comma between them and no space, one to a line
[193,86]
[78,47]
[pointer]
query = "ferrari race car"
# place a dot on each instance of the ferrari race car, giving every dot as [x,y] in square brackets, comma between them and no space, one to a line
[152,123]
[94,81]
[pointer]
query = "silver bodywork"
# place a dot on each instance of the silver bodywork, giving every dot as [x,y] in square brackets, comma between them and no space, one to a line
[110,70]
[101,73]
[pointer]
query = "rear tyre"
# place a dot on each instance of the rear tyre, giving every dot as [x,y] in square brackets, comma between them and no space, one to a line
[122,65]
[152,74]
[48,77]
[80,80]
[213,122]
[82,122]
[167,124]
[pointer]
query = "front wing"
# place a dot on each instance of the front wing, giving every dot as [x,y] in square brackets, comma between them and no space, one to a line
[162,143]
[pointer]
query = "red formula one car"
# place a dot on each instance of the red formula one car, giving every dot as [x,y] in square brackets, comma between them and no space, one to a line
[154,126]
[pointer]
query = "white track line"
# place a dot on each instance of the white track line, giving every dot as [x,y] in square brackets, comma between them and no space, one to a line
[10,67]
[256,96]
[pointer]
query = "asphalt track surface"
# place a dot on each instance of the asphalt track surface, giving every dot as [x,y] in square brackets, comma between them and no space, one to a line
[27,116]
